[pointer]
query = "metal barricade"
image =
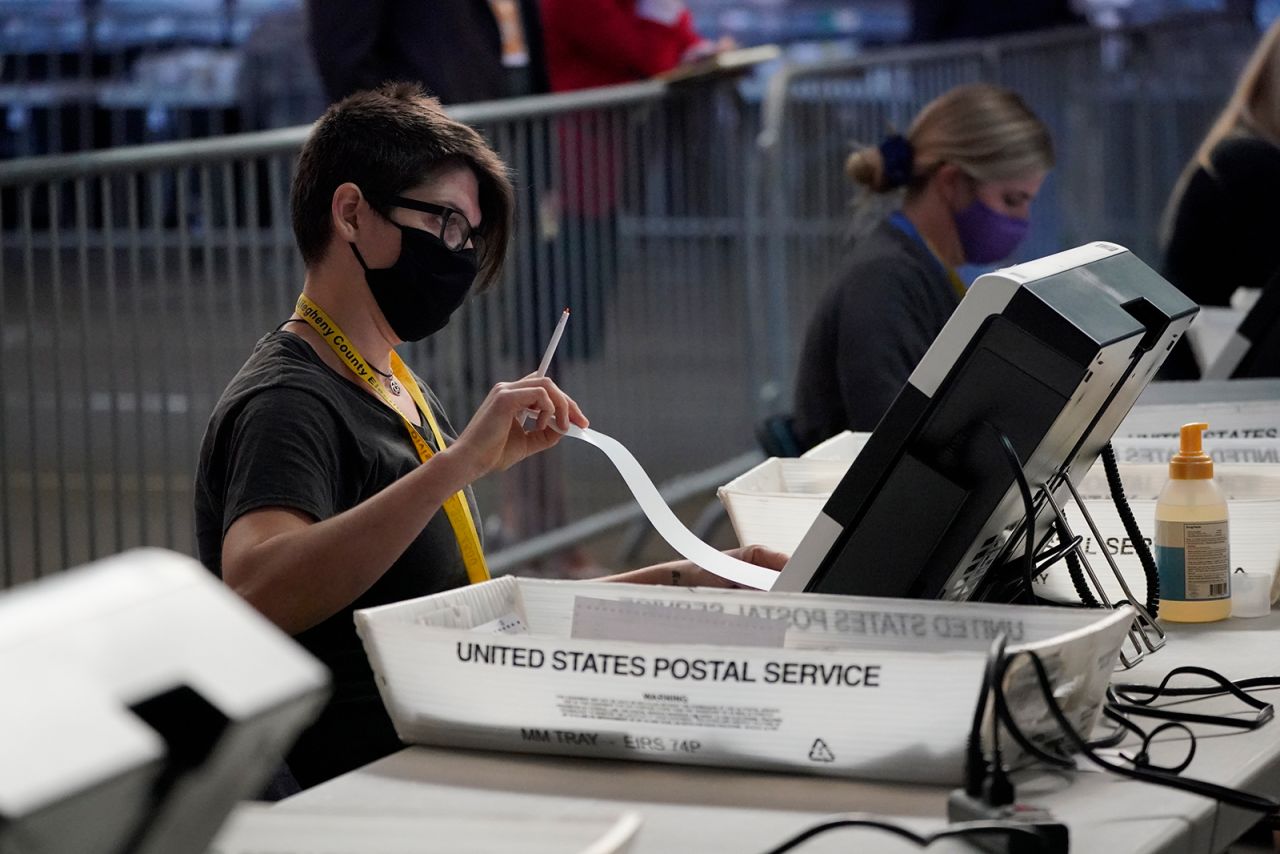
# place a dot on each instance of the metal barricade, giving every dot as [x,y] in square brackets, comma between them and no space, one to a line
[134,282]
[1126,110]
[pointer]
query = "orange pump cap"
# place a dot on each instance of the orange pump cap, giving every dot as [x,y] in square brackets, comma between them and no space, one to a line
[1191,462]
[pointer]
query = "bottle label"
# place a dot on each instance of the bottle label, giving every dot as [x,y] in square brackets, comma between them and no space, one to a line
[1194,559]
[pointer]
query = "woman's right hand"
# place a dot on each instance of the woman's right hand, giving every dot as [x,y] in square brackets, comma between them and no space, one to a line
[495,438]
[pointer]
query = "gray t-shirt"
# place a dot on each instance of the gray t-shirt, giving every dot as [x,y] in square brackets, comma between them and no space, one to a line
[290,432]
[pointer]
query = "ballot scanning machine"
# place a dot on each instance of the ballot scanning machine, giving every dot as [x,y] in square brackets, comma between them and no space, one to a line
[1052,355]
[143,699]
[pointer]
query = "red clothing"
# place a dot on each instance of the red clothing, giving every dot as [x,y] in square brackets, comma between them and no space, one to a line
[603,42]
[592,43]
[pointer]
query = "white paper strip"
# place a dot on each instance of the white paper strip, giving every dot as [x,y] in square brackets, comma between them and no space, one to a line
[666,522]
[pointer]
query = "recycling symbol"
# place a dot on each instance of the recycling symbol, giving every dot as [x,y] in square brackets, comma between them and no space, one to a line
[820,752]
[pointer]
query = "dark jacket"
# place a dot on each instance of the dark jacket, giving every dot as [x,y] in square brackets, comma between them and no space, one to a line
[939,20]
[868,333]
[452,47]
[1223,234]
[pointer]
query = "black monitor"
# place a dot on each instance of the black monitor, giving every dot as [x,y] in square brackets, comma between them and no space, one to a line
[1052,354]
[1253,350]
[142,701]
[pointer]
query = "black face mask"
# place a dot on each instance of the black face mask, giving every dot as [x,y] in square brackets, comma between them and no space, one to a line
[426,284]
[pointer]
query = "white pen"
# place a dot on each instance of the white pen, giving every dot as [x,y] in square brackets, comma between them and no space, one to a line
[553,343]
[547,356]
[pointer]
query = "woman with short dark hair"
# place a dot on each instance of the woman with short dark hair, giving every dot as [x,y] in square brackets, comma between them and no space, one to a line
[329,477]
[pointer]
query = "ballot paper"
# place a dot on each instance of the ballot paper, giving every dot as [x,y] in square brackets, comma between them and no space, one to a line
[666,522]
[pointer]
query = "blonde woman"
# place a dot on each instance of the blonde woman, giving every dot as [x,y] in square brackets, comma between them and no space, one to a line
[1220,226]
[967,171]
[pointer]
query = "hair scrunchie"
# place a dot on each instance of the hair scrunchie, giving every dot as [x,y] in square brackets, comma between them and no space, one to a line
[897,153]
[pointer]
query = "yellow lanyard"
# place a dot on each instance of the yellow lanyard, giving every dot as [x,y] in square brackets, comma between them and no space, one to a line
[957,283]
[456,507]
[907,227]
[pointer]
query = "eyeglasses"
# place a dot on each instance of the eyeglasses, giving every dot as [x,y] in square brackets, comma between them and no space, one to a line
[453,228]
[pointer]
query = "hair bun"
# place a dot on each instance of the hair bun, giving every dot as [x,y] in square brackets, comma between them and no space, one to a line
[884,167]
[866,168]
[898,156]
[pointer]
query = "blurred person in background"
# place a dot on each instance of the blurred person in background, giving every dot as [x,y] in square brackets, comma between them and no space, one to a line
[966,171]
[279,85]
[1220,228]
[329,477]
[460,50]
[940,20]
[605,42]
[593,43]
[589,43]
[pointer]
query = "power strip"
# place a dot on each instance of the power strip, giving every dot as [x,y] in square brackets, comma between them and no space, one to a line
[1052,835]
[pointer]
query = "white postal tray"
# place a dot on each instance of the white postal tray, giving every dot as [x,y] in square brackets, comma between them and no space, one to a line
[875,688]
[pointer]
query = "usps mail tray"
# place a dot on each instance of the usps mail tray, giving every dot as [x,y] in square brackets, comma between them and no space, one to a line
[775,502]
[849,686]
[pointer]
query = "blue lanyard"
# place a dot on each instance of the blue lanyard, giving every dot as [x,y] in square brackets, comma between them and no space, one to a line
[907,227]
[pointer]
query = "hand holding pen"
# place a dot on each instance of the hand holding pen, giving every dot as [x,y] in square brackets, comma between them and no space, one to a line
[547,356]
[499,436]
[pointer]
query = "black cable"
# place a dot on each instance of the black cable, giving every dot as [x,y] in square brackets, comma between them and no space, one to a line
[1117,711]
[1005,587]
[1015,731]
[1076,572]
[1110,710]
[1112,469]
[1124,722]
[1142,705]
[1201,691]
[1142,759]
[1064,549]
[1124,726]
[1029,508]
[960,830]
[975,767]
[1224,794]
[1000,793]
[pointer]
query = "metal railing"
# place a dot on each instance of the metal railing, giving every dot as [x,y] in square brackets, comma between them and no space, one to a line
[1126,109]
[134,282]
[689,228]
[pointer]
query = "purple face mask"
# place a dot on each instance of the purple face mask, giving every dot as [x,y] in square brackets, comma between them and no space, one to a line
[988,236]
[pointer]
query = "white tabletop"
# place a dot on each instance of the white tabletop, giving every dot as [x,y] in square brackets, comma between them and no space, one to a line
[712,809]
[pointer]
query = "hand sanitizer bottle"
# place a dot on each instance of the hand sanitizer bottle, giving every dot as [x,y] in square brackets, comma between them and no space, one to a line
[1192,551]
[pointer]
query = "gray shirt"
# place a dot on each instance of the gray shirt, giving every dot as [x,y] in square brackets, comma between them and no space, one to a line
[868,333]
[290,432]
